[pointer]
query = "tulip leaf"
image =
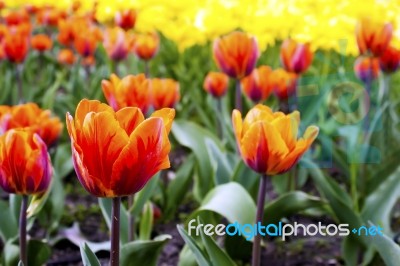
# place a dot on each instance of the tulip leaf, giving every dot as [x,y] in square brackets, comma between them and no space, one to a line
[216,254]
[88,257]
[200,255]
[194,137]
[38,252]
[179,186]
[63,160]
[387,248]
[145,252]
[231,201]
[247,178]
[299,201]
[106,208]
[144,195]
[146,222]
[220,163]
[379,204]
[186,257]
[11,253]
[8,224]
[37,203]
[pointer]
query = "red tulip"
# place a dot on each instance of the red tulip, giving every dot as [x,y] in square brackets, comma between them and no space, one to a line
[296,57]
[125,19]
[164,93]
[216,83]
[373,37]
[257,85]
[41,42]
[146,45]
[283,83]
[389,61]
[366,68]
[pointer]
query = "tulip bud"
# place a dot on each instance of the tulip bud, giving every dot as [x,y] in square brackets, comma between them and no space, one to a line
[216,84]
[296,57]
[389,61]
[257,85]
[373,37]
[366,68]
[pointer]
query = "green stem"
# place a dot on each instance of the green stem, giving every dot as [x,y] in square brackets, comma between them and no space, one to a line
[353,185]
[220,119]
[22,230]
[18,76]
[238,96]
[147,69]
[131,219]
[115,220]
[260,214]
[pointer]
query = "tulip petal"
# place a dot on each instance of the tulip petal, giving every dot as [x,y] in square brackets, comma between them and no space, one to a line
[287,126]
[86,106]
[102,141]
[167,115]
[129,118]
[258,113]
[237,126]
[262,147]
[145,155]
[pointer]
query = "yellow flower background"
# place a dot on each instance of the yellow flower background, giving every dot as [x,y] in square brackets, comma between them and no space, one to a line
[326,24]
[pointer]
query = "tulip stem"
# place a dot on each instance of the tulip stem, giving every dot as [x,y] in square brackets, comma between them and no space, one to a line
[131,219]
[18,76]
[22,230]
[220,119]
[259,217]
[147,69]
[115,216]
[238,96]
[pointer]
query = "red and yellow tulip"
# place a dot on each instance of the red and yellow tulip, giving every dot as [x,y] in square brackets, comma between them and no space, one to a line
[116,153]
[257,85]
[15,47]
[25,166]
[373,37]
[164,93]
[366,68]
[125,19]
[296,57]
[130,91]
[389,61]
[236,54]
[268,141]
[216,83]
[146,45]
[41,42]
[66,57]
[284,84]
[117,43]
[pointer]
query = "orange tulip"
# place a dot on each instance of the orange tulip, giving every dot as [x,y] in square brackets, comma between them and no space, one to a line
[216,84]
[366,68]
[125,19]
[283,83]
[236,54]
[296,57]
[86,44]
[164,93]
[41,42]
[268,141]
[25,166]
[373,37]
[66,57]
[130,91]
[15,47]
[30,116]
[257,85]
[66,32]
[116,153]
[50,16]
[117,43]
[16,17]
[146,45]
[389,61]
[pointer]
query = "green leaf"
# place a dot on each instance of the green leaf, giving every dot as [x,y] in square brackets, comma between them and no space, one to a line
[288,204]
[231,201]
[37,203]
[186,257]
[179,186]
[379,204]
[146,222]
[11,253]
[144,195]
[88,257]
[220,163]
[247,178]
[144,251]
[216,254]
[106,207]
[387,248]
[194,137]
[63,160]
[38,252]
[8,224]
[199,253]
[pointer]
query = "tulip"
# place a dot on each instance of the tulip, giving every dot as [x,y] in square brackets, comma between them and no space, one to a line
[389,61]
[125,19]
[366,68]
[30,116]
[67,31]
[66,57]
[15,47]
[116,153]
[41,42]
[283,84]
[296,57]
[164,93]
[50,16]
[216,83]
[130,91]
[236,55]
[16,17]
[85,44]
[373,37]
[268,144]
[25,169]
[146,45]
[257,85]
[117,43]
